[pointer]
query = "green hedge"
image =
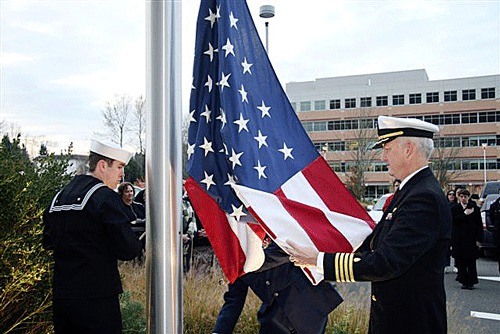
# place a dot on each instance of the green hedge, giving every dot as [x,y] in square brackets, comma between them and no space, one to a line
[26,188]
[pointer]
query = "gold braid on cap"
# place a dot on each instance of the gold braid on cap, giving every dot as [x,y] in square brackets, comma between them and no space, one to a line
[389,135]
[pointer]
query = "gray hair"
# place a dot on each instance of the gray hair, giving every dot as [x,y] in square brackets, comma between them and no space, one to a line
[424,145]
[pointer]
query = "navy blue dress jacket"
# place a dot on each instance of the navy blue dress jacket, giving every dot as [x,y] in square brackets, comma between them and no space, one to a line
[404,258]
[89,231]
[290,303]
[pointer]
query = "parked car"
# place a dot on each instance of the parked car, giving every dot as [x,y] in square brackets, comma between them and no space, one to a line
[488,244]
[490,187]
[375,211]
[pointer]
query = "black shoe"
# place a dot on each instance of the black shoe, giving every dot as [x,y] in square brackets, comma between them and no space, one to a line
[464,287]
[470,287]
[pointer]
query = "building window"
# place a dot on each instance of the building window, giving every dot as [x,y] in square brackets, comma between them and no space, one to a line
[338,167]
[415,98]
[380,167]
[398,100]
[437,119]
[365,102]
[452,119]
[336,146]
[334,104]
[487,117]
[350,103]
[319,126]
[382,101]
[450,96]
[294,106]
[478,164]
[488,93]
[469,118]
[319,105]
[305,106]
[367,123]
[308,126]
[433,97]
[468,94]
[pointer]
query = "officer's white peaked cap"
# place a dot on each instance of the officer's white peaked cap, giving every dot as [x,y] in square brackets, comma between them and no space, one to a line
[390,128]
[111,151]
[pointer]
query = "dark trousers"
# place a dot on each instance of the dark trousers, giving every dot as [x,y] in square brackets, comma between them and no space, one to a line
[87,316]
[467,271]
[448,257]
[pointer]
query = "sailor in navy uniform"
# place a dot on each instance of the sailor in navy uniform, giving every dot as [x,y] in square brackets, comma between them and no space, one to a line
[290,303]
[88,230]
[404,256]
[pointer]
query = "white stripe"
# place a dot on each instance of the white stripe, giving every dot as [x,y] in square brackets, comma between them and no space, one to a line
[484,315]
[271,211]
[298,189]
[250,243]
[490,278]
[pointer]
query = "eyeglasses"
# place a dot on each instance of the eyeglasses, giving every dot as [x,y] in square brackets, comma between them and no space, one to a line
[451,194]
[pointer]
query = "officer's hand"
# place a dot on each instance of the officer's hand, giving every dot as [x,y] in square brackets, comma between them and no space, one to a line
[301,255]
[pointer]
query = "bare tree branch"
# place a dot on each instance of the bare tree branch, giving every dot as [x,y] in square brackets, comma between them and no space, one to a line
[140,122]
[443,161]
[115,117]
[361,154]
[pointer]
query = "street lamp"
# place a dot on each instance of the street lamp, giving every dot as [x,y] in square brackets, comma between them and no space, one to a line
[484,145]
[324,149]
[266,12]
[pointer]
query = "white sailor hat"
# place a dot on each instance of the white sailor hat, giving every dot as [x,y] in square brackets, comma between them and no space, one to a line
[390,128]
[111,151]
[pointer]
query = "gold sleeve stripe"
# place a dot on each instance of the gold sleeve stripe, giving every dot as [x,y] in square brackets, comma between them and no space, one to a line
[346,271]
[351,268]
[336,265]
[346,266]
[341,267]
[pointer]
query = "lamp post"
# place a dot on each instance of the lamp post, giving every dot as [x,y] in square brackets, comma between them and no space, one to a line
[324,149]
[266,12]
[484,145]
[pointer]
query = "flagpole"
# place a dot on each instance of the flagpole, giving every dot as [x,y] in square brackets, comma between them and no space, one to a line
[163,167]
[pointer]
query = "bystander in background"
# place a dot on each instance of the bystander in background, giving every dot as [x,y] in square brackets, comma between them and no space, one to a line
[395,187]
[450,265]
[136,212]
[467,234]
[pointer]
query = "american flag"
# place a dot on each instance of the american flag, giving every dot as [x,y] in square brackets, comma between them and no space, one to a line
[252,167]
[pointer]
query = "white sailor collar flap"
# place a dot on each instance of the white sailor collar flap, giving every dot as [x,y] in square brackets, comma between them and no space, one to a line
[79,203]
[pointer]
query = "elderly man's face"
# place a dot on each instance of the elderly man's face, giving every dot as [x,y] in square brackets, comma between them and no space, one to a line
[393,155]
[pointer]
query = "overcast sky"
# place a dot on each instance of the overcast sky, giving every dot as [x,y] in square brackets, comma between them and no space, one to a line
[62,60]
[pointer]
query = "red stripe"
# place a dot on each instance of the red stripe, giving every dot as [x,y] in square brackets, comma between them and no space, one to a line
[322,233]
[224,242]
[333,192]
[264,229]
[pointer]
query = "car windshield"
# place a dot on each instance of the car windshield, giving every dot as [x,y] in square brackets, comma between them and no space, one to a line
[490,188]
[488,201]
